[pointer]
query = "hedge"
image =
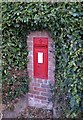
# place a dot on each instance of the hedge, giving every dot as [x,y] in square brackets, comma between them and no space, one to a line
[64,22]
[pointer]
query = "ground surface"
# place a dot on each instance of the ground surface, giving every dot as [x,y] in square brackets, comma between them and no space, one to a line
[31,112]
[20,109]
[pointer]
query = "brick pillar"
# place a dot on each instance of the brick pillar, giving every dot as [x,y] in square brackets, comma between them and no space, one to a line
[39,89]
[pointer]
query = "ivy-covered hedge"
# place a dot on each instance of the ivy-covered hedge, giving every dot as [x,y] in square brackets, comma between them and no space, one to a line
[64,22]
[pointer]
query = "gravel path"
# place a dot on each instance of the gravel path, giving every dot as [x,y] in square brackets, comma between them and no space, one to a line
[29,112]
[32,112]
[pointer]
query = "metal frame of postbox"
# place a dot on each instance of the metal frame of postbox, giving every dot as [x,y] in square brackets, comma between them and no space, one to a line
[40,57]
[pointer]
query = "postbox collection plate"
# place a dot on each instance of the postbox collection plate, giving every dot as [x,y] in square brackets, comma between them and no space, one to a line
[40,57]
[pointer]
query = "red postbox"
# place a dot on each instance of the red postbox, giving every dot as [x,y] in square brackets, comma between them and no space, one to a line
[40,57]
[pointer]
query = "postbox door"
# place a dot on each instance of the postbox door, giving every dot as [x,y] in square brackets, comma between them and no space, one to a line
[41,62]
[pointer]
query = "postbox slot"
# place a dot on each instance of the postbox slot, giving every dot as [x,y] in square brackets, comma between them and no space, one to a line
[42,46]
[40,57]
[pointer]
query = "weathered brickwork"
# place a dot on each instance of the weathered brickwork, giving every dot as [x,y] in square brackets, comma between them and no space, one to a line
[39,89]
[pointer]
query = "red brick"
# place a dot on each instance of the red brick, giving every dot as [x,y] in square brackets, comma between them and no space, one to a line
[30,43]
[35,80]
[40,80]
[40,89]
[34,92]
[36,84]
[30,72]
[36,33]
[30,95]
[50,56]
[52,64]
[50,40]
[49,59]
[30,58]
[49,43]
[44,101]
[30,48]
[51,77]
[46,34]
[31,34]
[37,100]
[45,81]
[43,33]
[29,66]
[52,82]
[41,97]
[30,87]
[51,73]
[44,94]
[39,34]
[45,86]
[31,61]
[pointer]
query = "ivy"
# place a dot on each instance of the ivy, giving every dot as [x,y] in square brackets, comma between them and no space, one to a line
[64,22]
